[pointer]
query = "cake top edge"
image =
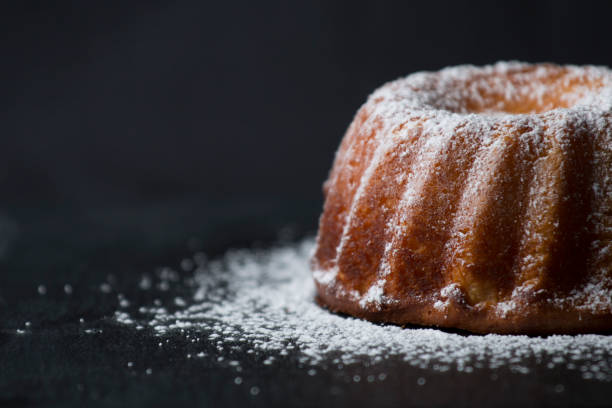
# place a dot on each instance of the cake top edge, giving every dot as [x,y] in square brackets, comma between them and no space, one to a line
[506,87]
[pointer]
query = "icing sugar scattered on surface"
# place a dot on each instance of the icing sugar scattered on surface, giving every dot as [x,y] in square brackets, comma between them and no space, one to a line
[262,302]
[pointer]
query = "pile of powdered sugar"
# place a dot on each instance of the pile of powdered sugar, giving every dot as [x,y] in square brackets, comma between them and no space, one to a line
[262,302]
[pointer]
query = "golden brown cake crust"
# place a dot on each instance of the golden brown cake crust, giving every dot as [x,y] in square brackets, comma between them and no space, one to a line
[475,198]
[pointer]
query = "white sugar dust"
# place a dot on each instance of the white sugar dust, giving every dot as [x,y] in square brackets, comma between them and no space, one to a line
[262,302]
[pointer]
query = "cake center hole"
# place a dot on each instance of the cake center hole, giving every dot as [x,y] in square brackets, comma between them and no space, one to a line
[524,92]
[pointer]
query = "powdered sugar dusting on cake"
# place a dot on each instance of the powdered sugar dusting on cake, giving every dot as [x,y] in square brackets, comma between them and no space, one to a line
[536,103]
[411,196]
[375,295]
[468,89]
[261,304]
[448,293]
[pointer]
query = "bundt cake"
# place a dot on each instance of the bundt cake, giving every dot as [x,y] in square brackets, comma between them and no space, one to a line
[475,198]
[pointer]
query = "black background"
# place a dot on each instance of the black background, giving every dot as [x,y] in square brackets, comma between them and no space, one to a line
[130,128]
[139,101]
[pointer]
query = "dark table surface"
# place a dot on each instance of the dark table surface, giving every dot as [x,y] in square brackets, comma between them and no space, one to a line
[61,360]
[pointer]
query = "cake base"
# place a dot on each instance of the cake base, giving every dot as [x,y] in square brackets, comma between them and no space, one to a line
[533,320]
